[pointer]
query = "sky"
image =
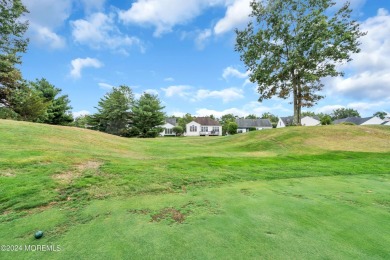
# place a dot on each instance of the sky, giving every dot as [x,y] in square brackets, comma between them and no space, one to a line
[183,51]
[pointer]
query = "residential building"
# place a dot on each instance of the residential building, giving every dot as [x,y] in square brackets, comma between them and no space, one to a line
[203,126]
[244,125]
[360,121]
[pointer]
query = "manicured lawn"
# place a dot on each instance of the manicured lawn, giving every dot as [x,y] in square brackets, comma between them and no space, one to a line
[293,193]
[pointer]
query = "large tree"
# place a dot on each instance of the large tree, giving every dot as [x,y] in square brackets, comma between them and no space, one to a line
[12,42]
[290,45]
[148,115]
[114,111]
[58,111]
[341,113]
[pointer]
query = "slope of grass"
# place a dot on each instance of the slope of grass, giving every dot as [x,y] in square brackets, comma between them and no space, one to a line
[305,192]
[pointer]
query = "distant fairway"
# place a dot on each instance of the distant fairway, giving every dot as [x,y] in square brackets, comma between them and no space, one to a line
[292,193]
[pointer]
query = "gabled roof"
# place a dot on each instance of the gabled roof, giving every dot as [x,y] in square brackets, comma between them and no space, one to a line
[171,121]
[246,123]
[287,120]
[354,120]
[207,121]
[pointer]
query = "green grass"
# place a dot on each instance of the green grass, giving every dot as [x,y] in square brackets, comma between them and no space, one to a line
[295,193]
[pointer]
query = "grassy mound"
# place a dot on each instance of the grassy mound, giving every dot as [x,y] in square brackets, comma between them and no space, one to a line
[177,196]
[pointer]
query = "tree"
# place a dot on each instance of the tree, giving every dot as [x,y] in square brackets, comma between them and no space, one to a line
[183,121]
[178,130]
[232,128]
[82,121]
[380,114]
[344,113]
[114,111]
[225,120]
[148,115]
[292,44]
[308,113]
[326,120]
[271,117]
[58,111]
[12,30]
[251,116]
[27,103]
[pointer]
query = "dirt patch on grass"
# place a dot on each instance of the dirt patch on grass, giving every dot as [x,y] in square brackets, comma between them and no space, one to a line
[68,176]
[7,173]
[168,213]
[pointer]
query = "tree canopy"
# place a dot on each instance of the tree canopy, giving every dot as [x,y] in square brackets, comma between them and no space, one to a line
[12,42]
[114,111]
[290,45]
[341,113]
[148,116]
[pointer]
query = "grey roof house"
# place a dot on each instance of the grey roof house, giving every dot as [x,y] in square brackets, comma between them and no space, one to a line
[360,121]
[244,125]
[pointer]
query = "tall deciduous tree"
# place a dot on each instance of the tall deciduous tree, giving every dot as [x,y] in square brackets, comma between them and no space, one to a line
[148,115]
[114,111]
[12,42]
[292,44]
[380,114]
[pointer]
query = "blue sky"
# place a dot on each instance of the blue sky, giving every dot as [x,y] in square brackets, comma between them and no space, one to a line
[184,52]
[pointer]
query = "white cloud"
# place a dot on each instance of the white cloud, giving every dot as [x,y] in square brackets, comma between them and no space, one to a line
[202,38]
[93,5]
[45,16]
[105,86]
[79,64]
[226,95]
[152,91]
[99,31]
[368,75]
[237,14]
[44,36]
[232,72]
[328,109]
[169,79]
[80,113]
[165,14]
[180,90]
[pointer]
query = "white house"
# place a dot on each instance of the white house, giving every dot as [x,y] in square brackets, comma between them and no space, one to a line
[360,121]
[285,121]
[310,121]
[386,123]
[203,126]
[170,123]
[244,125]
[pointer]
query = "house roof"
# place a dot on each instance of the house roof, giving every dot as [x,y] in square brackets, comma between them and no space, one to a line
[287,120]
[245,123]
[171,121]
[207,121]
[354,120]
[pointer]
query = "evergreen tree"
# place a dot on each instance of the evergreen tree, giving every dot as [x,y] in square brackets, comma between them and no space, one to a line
[114,111]
[11,43]
[148,115]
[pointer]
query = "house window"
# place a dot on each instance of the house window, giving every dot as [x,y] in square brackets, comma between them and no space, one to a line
[205,129]
[168,131]
[193,128]
[215,129]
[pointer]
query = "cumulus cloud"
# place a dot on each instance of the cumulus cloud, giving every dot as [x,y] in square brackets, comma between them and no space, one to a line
[45,16]
[226,95]
[79,64]
[232,72]
[165,14]
[237,14]
[180,90]
[368,75]
[93,5]
[99,31]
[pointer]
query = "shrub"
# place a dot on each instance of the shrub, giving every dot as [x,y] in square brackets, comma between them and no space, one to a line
[232,128]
